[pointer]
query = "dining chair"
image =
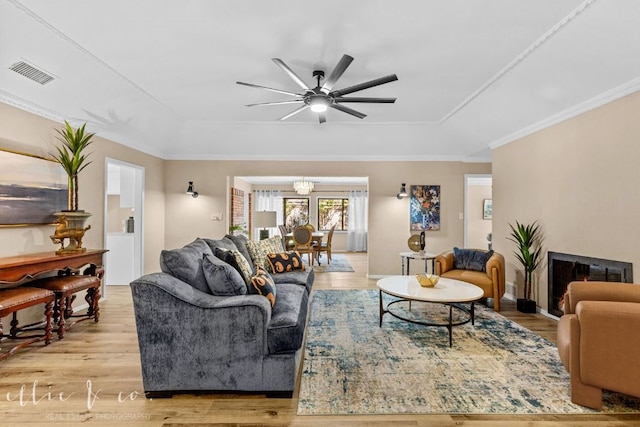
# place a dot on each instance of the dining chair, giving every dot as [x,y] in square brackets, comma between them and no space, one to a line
[287,243]
[302,242]
[326,246]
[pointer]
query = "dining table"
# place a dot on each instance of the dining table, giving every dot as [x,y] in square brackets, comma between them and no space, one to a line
[316,236]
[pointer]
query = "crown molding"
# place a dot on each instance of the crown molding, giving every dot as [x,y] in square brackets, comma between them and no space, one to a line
[25,105]
[99,62]
[518,59]
[591,104]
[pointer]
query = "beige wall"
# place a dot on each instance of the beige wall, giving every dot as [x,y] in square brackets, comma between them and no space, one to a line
[188,218]
[29,133]
[477,228]
[580,180]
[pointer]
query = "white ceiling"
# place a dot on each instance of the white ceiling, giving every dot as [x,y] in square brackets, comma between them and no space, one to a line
[160,76]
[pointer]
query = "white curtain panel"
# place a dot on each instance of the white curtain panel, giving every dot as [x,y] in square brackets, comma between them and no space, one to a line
[269,200]
[358,221]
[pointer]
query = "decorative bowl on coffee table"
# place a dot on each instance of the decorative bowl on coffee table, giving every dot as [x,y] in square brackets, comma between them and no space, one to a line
[427,280]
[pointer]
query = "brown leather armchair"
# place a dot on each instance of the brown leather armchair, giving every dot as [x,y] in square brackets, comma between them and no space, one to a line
[598,340]
[491,281]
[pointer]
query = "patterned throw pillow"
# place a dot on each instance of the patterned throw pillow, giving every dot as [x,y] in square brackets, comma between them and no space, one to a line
[237,261]
[283,262]
[222,278]
[471,259]
[262,284]
[259,250]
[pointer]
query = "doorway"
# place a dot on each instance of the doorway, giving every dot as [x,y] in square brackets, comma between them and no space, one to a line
[123,226]
[477,219]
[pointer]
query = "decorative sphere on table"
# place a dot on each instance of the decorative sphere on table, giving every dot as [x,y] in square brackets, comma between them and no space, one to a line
[414,243]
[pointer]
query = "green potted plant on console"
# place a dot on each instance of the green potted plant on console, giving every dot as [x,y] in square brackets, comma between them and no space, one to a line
[70,155]
[528,240]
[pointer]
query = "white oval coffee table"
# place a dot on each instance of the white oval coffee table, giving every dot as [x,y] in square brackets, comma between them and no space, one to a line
[450,292]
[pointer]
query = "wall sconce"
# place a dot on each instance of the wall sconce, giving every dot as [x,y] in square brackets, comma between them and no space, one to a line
[190,190]
[403,192]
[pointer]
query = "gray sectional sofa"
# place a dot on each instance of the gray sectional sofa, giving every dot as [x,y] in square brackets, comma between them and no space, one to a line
[199,329]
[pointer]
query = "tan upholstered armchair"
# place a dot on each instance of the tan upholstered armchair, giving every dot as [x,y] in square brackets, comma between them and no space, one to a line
[491,281]
[598,340]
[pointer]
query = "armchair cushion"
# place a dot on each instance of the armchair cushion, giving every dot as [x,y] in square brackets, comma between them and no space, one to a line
[471,259]
[222,279]
[186,264]
[598,340]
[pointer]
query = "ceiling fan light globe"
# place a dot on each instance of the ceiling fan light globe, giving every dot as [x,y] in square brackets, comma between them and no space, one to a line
[318,108]
[318,103]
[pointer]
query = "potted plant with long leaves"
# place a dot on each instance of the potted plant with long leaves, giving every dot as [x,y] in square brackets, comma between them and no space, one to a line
[528,240]
[70,155]
[73,159]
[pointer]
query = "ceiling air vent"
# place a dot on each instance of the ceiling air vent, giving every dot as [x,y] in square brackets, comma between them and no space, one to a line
[31,72]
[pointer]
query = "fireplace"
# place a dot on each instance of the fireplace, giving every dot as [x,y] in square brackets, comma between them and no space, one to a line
[566,268]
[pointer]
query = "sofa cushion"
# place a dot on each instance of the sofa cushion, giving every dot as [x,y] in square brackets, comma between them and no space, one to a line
[282,262]
[296,277]
[262,284]
[241,244]
[186,264]
[288,318]
[223,243]
[478,278]
[235,259]
[222,278]
[471,259]
[259,250]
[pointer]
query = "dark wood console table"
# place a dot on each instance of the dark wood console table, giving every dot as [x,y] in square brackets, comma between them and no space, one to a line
[20,269]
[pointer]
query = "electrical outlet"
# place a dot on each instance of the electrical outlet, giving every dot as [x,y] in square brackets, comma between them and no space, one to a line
[460,215]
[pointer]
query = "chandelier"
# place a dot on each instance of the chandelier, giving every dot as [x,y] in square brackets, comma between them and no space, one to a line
[303,187]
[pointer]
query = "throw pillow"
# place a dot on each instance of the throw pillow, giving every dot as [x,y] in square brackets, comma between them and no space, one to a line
[237,261]
[222,278]
[471,259]
[262,284]
[241,244]
[259,250]
[283,262]
[186,264]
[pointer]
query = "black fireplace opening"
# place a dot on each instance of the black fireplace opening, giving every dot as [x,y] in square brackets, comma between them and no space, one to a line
[566,268]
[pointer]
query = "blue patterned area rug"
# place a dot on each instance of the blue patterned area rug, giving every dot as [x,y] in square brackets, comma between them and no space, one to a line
[339,263]
[353,366]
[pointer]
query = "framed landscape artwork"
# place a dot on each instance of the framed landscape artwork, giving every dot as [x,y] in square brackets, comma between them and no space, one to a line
[424,207]
[31,189]
[487,209]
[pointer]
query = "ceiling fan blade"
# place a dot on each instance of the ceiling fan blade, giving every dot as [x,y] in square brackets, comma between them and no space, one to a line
[291,73]
[348,110]
[376,100]
[262,104]
[365,85]
[322,118]
[269,88]
[293,113]
[337,72]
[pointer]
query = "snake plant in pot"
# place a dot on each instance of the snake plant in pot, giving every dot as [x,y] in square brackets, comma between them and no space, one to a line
[528,240]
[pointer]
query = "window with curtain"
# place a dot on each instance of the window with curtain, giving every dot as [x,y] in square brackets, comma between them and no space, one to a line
[268,200]
[334,211]
[358,221]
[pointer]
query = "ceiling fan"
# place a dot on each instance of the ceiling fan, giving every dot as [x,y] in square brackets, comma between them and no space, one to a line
[320,98]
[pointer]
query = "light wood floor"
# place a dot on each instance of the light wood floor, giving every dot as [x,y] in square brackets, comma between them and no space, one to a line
[93,375]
